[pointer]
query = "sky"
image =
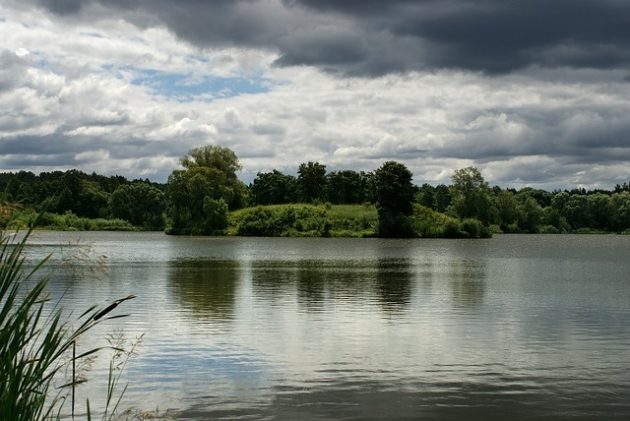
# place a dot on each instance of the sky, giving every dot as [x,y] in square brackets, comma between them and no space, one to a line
[532,92]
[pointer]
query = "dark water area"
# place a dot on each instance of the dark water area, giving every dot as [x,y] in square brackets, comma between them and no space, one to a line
[513,327]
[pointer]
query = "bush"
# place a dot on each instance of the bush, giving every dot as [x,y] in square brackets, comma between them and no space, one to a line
[548,229]
[428,223]
[283,221]
[451,230]
[472,227]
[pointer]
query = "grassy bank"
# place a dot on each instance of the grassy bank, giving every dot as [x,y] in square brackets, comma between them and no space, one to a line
[300,220]
[290,220]
[67,222]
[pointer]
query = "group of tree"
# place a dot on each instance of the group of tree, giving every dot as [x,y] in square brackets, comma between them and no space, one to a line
[140,202]
[199,196]
[312,184]
[529,210]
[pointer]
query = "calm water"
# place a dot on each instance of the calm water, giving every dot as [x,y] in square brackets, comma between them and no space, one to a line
[516,327]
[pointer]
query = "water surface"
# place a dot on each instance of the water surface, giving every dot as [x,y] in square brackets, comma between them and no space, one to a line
[517,327]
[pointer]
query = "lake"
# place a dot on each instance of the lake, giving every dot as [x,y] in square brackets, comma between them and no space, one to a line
[513,327]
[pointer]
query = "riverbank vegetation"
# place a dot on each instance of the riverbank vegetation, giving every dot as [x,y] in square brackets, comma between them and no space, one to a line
[206,197]
[38,344]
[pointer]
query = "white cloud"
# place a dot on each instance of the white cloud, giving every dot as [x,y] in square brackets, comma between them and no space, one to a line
[67,91]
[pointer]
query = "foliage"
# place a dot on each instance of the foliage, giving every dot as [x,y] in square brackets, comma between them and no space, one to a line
[506,209]
[283,221]
[347,187]
[470,195]
[194,198]
[311,181]
[305,220]
[28,218]
[35,341]
[222,159]
[529,213]
[352,220]
[139,203]
[428,223]
[196,195]
[426,196]
[83,195]
[273,188]
[394,195]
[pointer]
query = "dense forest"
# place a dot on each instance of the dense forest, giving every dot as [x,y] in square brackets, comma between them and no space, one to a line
[206,197]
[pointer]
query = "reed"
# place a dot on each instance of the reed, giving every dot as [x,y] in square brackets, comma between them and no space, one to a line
[35,343]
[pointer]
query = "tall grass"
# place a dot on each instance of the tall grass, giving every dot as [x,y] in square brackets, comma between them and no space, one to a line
[67,222]
[304,220]
[35,341]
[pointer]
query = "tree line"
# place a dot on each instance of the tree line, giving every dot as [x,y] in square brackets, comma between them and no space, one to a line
[198,197]
[140,202]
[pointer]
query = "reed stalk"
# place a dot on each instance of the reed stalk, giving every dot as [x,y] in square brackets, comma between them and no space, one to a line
[34,343]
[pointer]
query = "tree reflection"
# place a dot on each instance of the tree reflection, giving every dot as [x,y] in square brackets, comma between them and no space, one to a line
[312,283]
[393,283]
[467,280]
[208,288]
[273,281]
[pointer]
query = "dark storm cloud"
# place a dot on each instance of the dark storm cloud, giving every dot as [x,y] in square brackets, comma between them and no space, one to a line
[499,35]
[587,135]
[376,37]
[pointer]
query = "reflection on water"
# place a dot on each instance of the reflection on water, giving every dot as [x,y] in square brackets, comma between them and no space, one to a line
[519,327]
[467,281]
[319,282]
[393,283]
[208,288]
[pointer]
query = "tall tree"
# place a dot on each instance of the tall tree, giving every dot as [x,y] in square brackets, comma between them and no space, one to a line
[346,187]
[273,188]
[311,181]
[442,198]
[139,203]
[394,193]
[426,196]
[471,195]
[199,195]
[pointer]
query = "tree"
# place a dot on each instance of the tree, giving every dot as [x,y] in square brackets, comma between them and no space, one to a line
[218,157]
[442,197]
[273,188]
[199,196]
[311,181]
[426,196]
[576,211]
[471,195]
[507,210]
[620,205]
[394,195]
[346,187]
[599,211]
[530,214]
[139,203]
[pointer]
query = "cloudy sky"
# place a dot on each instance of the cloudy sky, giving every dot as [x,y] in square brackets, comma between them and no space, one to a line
[532,92]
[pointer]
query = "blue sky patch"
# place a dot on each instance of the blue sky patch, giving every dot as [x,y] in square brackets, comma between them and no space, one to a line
[186,87]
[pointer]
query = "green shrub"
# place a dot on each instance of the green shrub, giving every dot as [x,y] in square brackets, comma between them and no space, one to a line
[451,230]
[472,227]
[428,223]
[548,229]
[283,221]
